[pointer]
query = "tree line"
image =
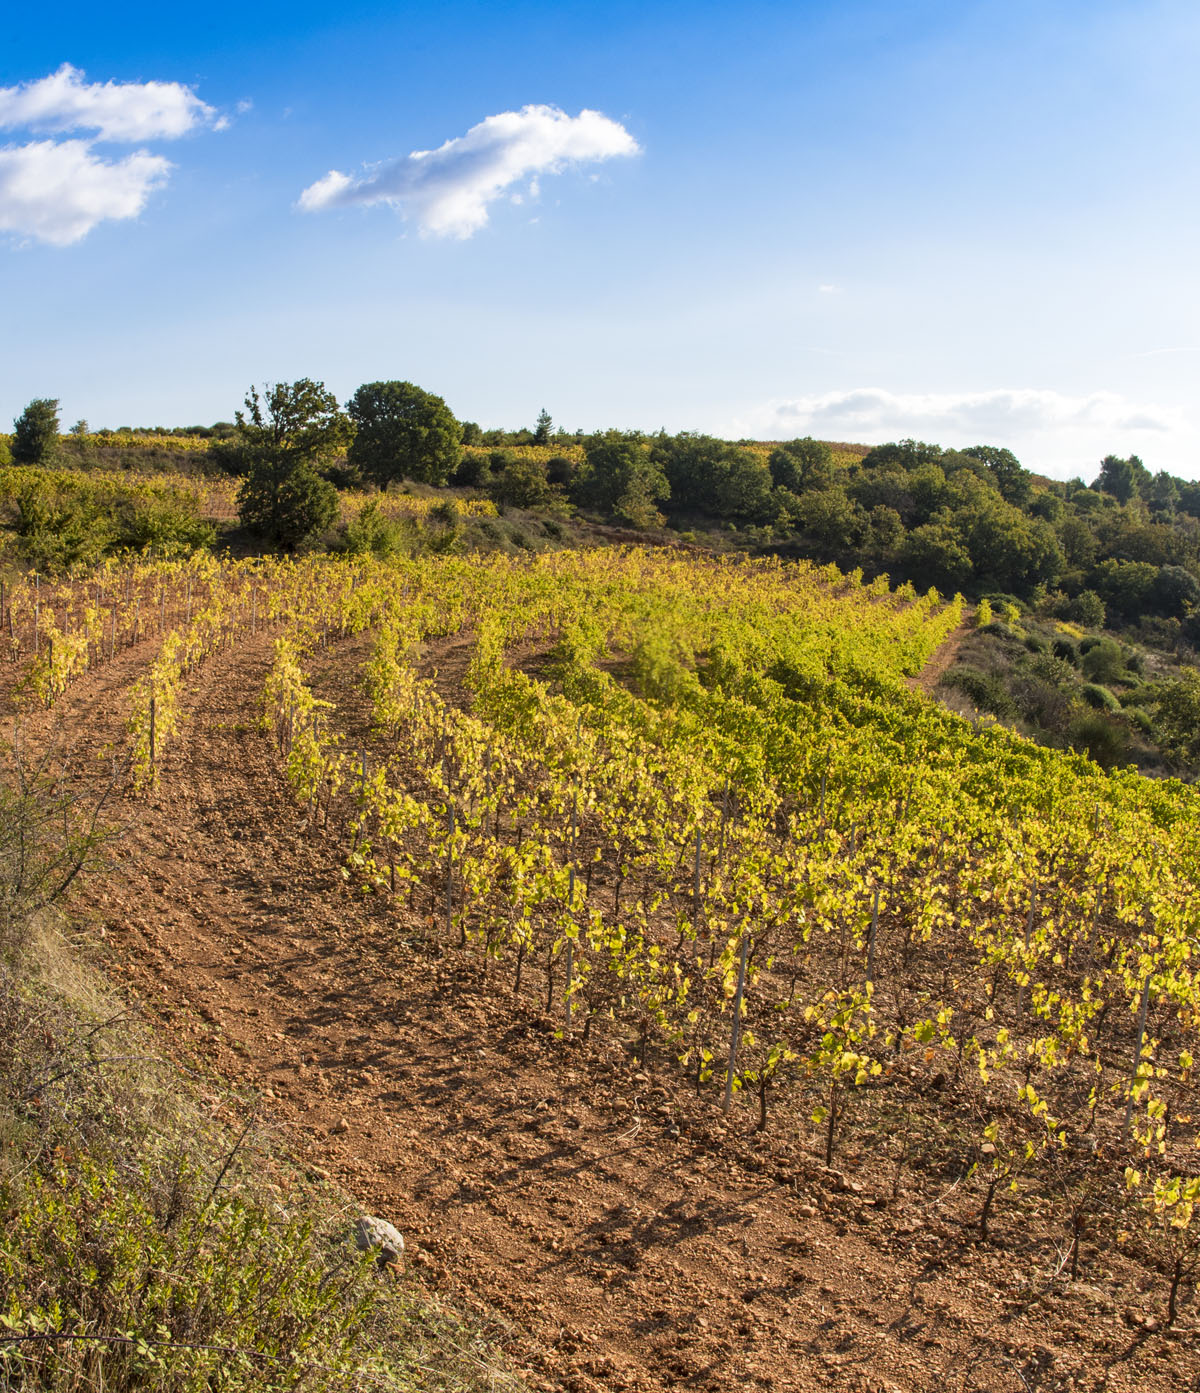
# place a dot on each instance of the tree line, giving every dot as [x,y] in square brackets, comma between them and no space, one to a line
[1125,546]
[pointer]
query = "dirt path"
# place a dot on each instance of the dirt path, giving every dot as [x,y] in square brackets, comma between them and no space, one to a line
[947,651]
[631,1238]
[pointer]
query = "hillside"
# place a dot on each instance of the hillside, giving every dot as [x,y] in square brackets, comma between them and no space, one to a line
[690,991]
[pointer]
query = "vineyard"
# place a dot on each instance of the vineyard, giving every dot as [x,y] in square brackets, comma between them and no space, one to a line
[686,817]
[210,497]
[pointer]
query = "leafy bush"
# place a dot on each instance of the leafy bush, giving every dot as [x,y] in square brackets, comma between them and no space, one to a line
[985,690]
[519,482]
[370,533]
[163,528]
[57,533]
[1042,703]
[1097,736]
[111,1290]
[288,507]
[1047,667]
[1176,708]
[1098,697]
[1103,661]
[474,470]
[1141,721]
[1087,608]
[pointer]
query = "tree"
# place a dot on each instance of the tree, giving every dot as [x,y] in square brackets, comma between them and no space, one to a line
[1176,710]
[1125,585]
[1175,591]
[283,438]
[402,432]
[801,465]
[35,432]
[1123,478]
[1012,552]
[902,454]
[935,554]
[545,424]
[517,481]
[835,521]
[1162,492]
[291,423]
[620,478]
[712,476]
[288,509]
[1013,482]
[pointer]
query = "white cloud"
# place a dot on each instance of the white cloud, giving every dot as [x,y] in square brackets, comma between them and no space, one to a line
[57,191]
[117,111]
[448,190]
[1049,430]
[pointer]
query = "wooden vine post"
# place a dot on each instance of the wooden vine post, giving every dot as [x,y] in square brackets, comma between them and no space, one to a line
[571,900]
[735,1033]
[696,884]
[1143,1011]
[871,940]
[1029,918]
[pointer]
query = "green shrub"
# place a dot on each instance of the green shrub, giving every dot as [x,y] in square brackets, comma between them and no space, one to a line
[1176,709]
[57,533]
[444,541]
[985,691]
[1066,650]
[1042,703]
[1054,670]
[369,533]
[287,506]
[1094,734]
[1140,720]
[217,1293]
[473,471]
[998,629]
[163,528]
[1088,609]
[1098,697]
[1104,661]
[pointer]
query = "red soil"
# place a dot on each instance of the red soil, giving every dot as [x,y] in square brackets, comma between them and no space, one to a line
[630,1237]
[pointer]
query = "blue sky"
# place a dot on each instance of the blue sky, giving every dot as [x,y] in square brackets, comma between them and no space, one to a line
[968,222]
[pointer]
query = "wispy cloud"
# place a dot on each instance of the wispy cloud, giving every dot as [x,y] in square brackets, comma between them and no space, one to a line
[874,409]
[127,112]
[1053,429]
[447,191]
[57,191]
